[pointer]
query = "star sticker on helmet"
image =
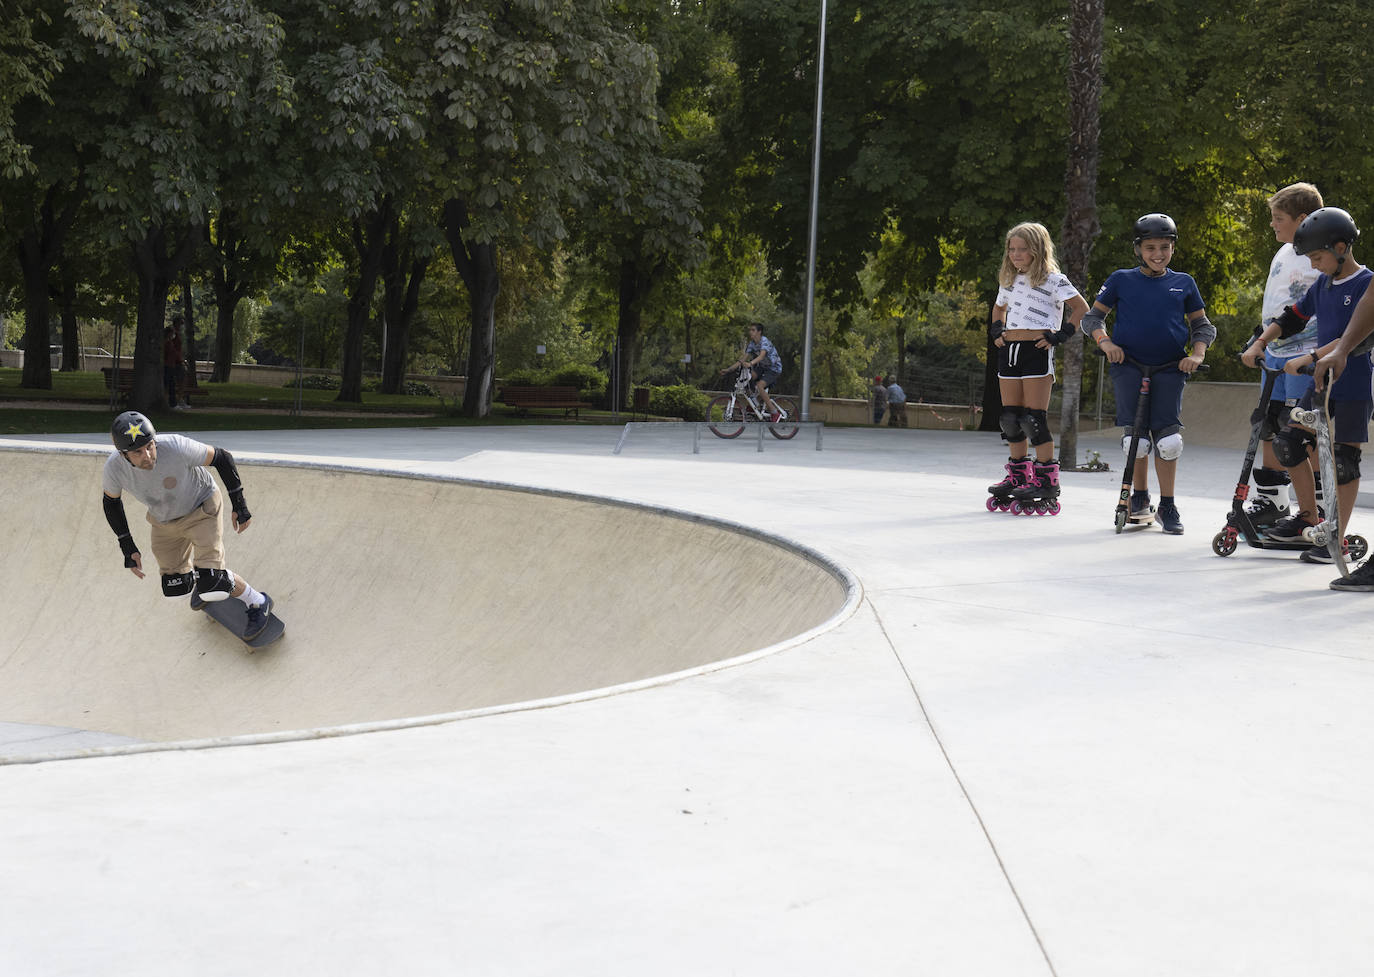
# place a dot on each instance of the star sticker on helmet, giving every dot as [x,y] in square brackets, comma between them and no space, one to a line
[135,430]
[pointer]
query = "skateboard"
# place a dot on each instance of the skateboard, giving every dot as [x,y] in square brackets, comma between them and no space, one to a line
[233,615]
[1328,531]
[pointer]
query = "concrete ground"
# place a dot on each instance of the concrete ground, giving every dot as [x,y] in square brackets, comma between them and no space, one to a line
[1020,746]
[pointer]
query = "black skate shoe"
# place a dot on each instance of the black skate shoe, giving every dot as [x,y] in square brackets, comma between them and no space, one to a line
[1290,529]
[1264,512]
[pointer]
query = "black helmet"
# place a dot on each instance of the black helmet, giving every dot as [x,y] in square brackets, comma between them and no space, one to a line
[1154,225]
[1323,228]
[131,430]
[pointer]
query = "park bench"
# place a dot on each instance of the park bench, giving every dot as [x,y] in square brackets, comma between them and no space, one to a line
[126,383]
[525,399]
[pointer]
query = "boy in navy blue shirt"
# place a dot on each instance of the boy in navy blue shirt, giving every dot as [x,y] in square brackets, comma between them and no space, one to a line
[1326,238]
[1160,318]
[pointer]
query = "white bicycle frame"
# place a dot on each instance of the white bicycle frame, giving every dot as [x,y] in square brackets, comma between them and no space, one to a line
[744,389]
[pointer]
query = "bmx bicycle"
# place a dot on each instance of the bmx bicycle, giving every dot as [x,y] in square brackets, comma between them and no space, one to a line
[728,414]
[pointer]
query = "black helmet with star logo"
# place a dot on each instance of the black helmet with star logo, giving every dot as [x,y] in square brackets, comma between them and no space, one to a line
[131,430]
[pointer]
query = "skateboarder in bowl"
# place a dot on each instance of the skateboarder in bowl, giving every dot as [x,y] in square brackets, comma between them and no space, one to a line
[167,473]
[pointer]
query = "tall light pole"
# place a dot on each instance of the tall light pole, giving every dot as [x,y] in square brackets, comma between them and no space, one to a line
[811,231]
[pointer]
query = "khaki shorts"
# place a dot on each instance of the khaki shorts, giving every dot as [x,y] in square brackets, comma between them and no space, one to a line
[197,536]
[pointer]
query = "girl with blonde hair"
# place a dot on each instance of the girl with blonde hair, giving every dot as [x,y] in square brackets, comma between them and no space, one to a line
[1028,321]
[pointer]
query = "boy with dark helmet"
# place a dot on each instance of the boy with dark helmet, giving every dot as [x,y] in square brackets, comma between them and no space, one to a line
[167,473]
[1326,237]
[1160,318]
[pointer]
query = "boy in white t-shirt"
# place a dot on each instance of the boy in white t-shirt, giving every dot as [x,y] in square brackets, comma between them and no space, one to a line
[1027,323]
[1290,275]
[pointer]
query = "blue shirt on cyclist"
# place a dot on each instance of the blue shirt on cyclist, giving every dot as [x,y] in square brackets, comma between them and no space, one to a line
[772,362]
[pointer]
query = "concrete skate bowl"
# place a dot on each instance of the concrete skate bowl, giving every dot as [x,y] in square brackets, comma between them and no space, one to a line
[406,600]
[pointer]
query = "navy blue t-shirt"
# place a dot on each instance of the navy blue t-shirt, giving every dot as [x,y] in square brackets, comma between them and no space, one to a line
[1333,303]
[1151,313]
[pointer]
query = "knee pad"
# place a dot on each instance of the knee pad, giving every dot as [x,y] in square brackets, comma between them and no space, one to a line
[213,585]
[1010,422]
[1169,447]
[1142,449]
[177,584]
[1290,447]
[1347,458]
[1036,424]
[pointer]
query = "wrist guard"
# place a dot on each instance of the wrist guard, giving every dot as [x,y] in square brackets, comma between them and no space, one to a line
[223,462]
[1057,336]
[119,522]
[996,329]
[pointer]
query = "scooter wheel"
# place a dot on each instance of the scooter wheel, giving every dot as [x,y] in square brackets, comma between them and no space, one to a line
[1358,547]
[1223,544]
[1120,519]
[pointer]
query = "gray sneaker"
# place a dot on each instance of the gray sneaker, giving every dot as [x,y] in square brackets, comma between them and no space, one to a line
[1169,519]
[1360,580]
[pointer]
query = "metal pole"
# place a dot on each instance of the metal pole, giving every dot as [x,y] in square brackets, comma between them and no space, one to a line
[811,232]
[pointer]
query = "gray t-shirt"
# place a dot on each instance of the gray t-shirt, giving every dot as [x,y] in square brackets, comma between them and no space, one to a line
[177,483]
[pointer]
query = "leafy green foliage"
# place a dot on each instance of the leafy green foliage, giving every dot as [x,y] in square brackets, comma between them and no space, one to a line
[679,400]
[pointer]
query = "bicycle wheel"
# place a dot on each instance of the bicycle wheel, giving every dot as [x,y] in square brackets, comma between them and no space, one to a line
[786,428]
[723,418]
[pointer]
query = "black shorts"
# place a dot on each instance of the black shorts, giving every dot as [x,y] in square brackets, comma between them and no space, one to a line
[1023,359]
[769,377]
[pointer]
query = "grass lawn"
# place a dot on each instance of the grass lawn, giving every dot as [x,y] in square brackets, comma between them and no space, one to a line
[81,404]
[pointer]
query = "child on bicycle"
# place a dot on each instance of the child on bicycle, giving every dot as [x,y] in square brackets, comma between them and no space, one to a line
[1027,323]
[765,366]
[1159,312]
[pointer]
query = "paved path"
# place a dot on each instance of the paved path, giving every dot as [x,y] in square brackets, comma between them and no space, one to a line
[1032,747]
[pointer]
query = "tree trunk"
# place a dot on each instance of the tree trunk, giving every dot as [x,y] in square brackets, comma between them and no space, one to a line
[402,276]
[71,329]
[155,270]
[1081,227]
[35,264]
[992,390]
[40,246]
[188,349]
[476,264]
[635,285]
[369,238]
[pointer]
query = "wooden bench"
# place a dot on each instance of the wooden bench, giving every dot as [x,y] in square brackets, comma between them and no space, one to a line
[525,399]
[126,383]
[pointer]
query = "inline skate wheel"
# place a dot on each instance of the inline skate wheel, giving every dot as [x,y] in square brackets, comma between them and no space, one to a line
[1053,508]
[992,504]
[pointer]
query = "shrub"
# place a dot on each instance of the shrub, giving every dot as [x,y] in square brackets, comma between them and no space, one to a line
[680,400]
[315,381]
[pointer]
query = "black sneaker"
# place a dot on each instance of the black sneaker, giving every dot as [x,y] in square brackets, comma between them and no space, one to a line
[1289,529]
[1169,519]
[197,602]
[258,615]
[1316,554]
[1361,580]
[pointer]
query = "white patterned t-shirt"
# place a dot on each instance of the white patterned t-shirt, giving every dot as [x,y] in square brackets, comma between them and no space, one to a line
[1036,306]
[1290,275]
